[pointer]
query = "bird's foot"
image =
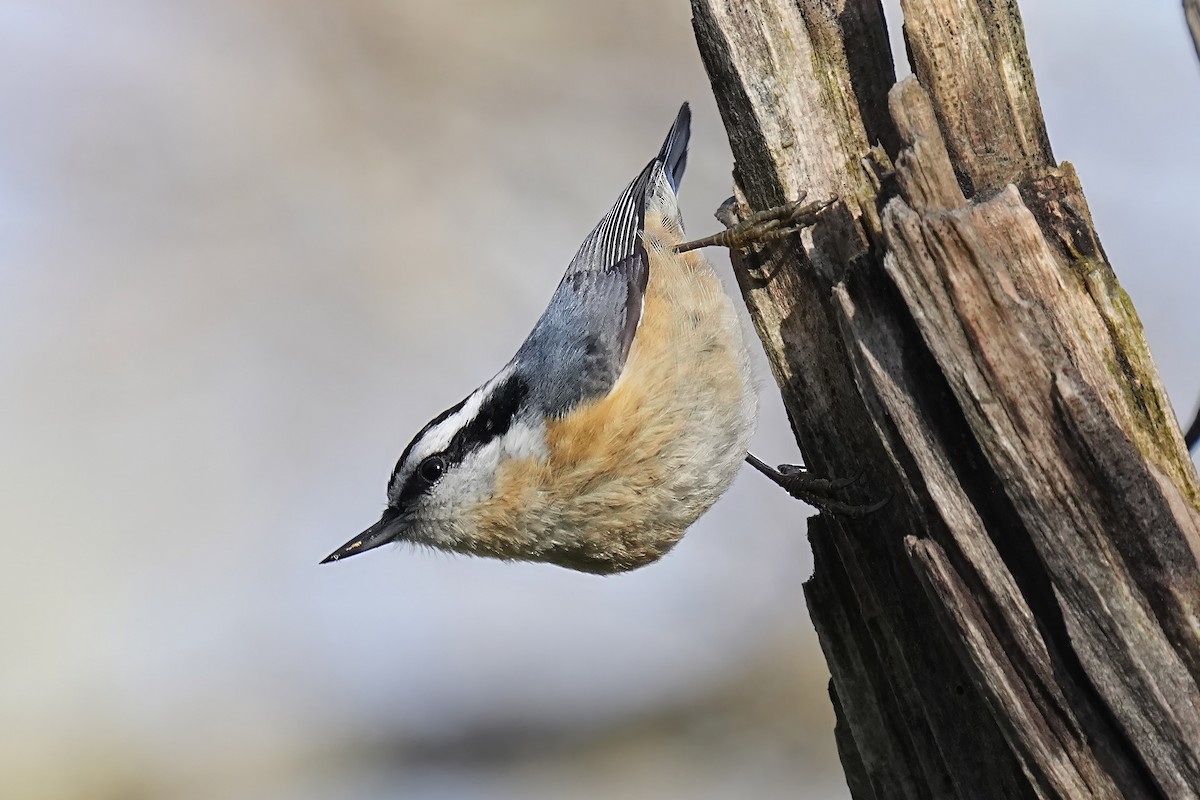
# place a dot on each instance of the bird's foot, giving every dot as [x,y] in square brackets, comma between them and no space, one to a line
[817,492]
[763,226]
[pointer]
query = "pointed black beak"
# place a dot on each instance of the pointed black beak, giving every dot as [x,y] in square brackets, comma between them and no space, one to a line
[389,528]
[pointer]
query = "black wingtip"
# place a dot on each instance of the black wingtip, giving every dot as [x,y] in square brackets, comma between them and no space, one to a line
[674,151]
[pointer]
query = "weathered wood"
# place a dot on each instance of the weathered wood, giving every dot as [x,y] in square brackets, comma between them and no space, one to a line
[1024,618]
[972,58]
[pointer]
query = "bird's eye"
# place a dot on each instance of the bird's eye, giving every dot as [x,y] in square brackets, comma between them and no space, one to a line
[431,469]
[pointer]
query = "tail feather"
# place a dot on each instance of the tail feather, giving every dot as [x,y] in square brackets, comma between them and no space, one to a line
[618,236]
[674,151]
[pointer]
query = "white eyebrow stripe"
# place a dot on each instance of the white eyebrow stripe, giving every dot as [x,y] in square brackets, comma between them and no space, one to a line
[439,436]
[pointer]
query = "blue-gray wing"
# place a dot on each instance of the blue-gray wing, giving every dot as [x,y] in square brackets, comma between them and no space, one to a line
[578,348]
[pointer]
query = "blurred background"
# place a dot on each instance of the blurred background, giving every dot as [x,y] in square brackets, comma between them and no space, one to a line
[248,247]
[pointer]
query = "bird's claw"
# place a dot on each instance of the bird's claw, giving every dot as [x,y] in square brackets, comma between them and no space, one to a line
[764,226]
[797,481]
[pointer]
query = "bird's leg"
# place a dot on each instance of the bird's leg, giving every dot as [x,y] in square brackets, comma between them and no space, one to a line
[817,492]
[799,472]
[763,226]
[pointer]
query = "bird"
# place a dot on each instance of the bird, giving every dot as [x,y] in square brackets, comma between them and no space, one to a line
[624,415]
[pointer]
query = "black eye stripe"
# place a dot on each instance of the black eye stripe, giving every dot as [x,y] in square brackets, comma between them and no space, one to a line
[494,419]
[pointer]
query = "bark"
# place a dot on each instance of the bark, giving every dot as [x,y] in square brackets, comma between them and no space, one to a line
[1023,619]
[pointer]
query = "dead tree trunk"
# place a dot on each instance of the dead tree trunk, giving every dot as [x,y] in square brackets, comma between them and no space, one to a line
[1023,619]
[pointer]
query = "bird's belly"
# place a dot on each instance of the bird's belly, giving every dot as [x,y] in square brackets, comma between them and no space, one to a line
[628,473]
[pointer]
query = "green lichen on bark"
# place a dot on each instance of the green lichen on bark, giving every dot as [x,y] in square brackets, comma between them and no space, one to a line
[1154,431]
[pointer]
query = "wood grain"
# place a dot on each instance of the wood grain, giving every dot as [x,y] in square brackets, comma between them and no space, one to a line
[1023,620]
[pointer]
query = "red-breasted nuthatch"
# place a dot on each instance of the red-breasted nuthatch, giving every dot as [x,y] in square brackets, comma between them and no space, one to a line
[622,418]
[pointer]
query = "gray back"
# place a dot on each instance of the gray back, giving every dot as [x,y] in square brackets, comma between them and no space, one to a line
[578,348]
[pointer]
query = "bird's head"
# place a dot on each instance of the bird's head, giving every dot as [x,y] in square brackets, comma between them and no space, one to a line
[450,467]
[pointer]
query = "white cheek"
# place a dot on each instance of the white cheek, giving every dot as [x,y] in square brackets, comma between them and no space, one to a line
[471,480]
[525,440]
[475,478]
[443,520]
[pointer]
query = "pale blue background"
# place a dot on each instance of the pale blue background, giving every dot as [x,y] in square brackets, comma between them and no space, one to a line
[248,247]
